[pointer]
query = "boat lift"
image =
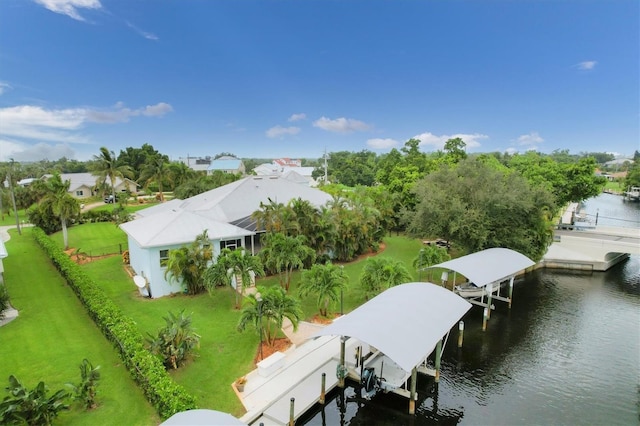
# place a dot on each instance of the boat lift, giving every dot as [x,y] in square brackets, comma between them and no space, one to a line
[486,271]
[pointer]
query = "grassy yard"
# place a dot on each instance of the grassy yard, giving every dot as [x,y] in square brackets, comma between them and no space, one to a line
[53,334]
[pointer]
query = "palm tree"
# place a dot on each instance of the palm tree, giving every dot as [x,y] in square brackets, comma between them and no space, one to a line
[283,254]
[154,171]
[430,255]
[174,342]
[230,264]
[189,263]
[379,274]
[180,173]
[271,217]
[275,306]
[324,281]
[106,168]
[63,205]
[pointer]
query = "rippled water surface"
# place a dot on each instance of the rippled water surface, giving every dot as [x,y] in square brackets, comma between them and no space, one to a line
[567,353]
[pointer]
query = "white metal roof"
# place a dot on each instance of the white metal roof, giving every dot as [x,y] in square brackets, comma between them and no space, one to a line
[404,322]
[178,227]
[488,266]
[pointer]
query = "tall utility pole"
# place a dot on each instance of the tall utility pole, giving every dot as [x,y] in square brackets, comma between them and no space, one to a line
[325,166]
[13,197]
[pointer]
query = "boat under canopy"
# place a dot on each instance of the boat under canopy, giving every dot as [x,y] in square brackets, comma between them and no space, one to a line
[404,323]
[488,266]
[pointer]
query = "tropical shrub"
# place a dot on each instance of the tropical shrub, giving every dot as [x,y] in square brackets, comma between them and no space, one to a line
[4,300]
[31,407]
[146,369]
[85,391]
[380,273]
[176,341]
[325,282]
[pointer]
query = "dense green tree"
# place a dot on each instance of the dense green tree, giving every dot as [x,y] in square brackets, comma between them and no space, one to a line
[189,263]
[267,314]
[479,207]
[350,168]
[381,273]
[233,264]
[201,184]
[106,169]
[454,150]
[136,158]
[633,176]
[325,282]
[283,254]
[180,173]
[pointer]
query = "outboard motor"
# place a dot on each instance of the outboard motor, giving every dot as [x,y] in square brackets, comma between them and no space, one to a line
[369,382]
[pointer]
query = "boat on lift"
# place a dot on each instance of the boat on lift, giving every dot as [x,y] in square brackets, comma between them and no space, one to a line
[469,290]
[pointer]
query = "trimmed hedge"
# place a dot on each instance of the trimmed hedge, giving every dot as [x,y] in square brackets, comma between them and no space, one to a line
[147,370]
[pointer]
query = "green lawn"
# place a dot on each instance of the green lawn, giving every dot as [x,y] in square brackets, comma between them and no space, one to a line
[10,219]
[53,334]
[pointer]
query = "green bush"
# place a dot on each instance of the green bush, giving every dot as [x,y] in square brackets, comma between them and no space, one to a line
[175,341]
[32,407]
[4,300]
[85,391]
[147,370]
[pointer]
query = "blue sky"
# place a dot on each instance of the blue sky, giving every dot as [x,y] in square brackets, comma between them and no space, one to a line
[292,78]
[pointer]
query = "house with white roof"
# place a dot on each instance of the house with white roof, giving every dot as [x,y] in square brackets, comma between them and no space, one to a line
[225,213]
[284,167]
[83,185]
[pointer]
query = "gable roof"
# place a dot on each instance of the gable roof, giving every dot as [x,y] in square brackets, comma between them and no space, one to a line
[78,180]
[225,163]
[177,227]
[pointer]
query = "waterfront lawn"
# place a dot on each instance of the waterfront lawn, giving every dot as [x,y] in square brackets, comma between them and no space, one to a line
[53,334]
[9,219]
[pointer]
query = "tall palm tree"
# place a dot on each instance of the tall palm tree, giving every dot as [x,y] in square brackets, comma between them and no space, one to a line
[189,263]
[380,273]
[180,173]
[275,305]
[230,264]
[62,203]
[155,170]
[325,282]
[106,169]
[271,217]
[283,254]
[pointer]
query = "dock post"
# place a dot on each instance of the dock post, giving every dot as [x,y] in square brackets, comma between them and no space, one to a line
[412,394]
[460,333]
[484,319]
[292,413]
[322,388]
[510,291]
[438,358]
[341,367]
[489,293]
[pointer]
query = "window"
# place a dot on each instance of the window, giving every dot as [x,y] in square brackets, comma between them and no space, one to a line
[230,244]
[164,257]
[79,193]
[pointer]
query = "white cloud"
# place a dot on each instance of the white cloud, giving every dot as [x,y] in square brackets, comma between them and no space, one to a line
[279,131]
[530,139]
[437,142]
[26,125]
[41,151]
[4,87]
[341,125]
[145,34]
[297,117]
[70,7]
[382,143]
[586,65]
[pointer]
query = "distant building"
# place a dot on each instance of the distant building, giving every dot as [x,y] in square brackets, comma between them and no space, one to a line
[83,185]
[288,162]
[199,164]
[288,169]
[226,164]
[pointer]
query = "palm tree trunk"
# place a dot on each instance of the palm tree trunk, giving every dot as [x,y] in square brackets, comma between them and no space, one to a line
[65,236]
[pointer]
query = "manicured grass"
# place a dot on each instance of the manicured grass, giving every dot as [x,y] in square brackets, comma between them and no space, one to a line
[52,335]
[10,218]
[95,238]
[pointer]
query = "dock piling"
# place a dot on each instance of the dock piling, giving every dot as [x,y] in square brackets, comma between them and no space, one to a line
[292,413]
[510,291]
[438,358]
[322,388]
[460,333]
[484,319]
[412,394]
[341,367]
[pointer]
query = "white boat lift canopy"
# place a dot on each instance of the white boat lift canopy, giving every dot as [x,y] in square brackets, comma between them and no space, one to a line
[404,322]
[488,266]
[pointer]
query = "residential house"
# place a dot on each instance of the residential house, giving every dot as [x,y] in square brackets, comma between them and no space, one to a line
[225,213]
[285,166]
[226,164]
[83,185]
[199,164]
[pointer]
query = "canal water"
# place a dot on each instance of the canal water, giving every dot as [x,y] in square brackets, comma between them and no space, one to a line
[567,353]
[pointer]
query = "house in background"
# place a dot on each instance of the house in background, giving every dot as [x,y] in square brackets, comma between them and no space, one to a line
[226,164]
[284,167]
[83,185]
[199,164]
[225,213]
